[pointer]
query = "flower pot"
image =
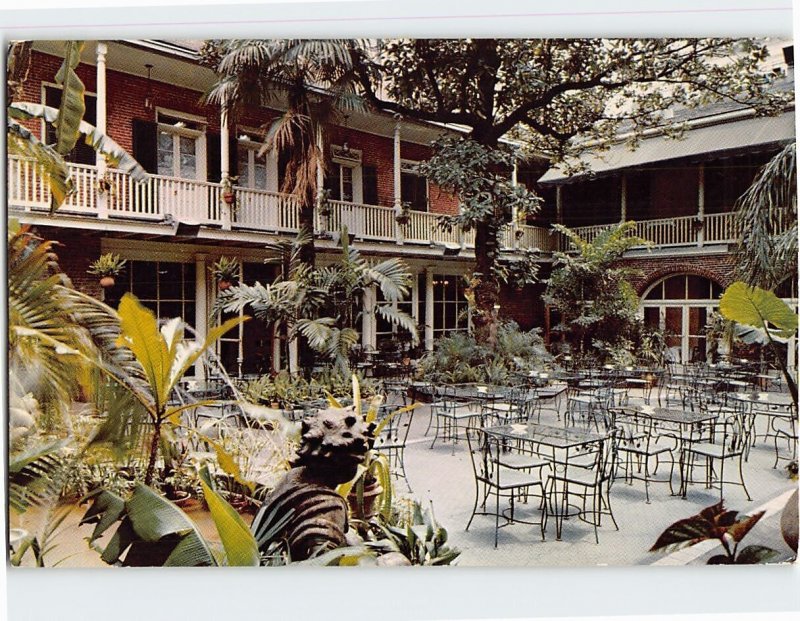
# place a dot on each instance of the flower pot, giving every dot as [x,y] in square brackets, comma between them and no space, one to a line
[229,197]
[224,284]
[107,281]
[180,498]
[372,492]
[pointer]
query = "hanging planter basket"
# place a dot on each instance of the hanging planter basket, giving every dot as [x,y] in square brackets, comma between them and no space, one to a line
[107,281]
[229,197]
[224,284]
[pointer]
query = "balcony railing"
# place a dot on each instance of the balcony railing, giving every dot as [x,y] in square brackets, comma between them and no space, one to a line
[200,201]
[681,231]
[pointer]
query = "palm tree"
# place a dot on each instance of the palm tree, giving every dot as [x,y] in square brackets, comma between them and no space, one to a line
[314,81]
[323,304]
[766,216]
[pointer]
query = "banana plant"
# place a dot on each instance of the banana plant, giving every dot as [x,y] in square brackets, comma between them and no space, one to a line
[165,358]
[67,120]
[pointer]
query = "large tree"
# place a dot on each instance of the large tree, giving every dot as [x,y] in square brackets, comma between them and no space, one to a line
[561,95]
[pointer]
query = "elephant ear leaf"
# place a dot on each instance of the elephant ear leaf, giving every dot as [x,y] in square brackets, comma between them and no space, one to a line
[753,306]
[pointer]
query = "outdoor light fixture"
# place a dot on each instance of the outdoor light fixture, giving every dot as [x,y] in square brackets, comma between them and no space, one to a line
[148,96]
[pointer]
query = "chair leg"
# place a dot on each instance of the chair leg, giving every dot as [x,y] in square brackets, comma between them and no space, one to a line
[741,478]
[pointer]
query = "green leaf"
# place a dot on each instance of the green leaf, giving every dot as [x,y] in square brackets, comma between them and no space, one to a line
[756,307]
[72,108]
[754,555]
[139,333]
[154,517]
[240,546]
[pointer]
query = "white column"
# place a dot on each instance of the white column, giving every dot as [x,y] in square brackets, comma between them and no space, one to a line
[429,308]
[559,205]
[701,203]
[201,306]
[320,175]
[398,200]
[102,194]
[514,210]
[224,162]
[293,357]
[276,348]
[623,199]
[368,320]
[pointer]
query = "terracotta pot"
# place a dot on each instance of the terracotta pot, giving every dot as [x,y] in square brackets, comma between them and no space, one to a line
[224,284]
[372,492]
[229,197]
[107,281]
[181,498]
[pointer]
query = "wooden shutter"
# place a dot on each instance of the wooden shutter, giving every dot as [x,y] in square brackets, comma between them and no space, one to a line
[145,144]
[369,179]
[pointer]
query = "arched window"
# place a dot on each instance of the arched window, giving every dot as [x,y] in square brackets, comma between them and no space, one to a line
[680,305]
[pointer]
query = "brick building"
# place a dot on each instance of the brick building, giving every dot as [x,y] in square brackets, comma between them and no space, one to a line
[147,95]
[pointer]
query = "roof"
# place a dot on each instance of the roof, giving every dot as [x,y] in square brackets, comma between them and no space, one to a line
[710,141]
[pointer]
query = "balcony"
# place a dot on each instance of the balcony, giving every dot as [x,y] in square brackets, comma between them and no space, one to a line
[276,213]
[256,210]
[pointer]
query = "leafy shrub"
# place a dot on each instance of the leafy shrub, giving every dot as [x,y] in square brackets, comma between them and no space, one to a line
[460,358]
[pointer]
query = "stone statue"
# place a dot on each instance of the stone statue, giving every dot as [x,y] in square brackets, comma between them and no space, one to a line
[332,446]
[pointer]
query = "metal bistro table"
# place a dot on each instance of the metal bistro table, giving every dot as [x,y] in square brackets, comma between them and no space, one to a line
[563,445]
[684,422]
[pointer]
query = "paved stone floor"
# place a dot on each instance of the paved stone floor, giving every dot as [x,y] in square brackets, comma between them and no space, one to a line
[443,476]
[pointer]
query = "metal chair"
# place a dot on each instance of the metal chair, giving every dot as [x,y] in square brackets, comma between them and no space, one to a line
[393,439]
[639,442]
[495,478]
[730,441]
[452,415]
[590,483]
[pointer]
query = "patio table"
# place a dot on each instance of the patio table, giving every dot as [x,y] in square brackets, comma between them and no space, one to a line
[685,423]
[562,445]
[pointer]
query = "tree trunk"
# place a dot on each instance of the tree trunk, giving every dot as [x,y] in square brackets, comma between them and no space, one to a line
[151,462]
[307,256]
[485,287]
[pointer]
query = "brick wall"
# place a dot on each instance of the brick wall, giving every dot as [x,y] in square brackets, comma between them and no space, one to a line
[76,251]
[719,268]
[524,305]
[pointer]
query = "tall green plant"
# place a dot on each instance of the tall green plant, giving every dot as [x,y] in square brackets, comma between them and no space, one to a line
[768,315]
[165,358]
[590,291]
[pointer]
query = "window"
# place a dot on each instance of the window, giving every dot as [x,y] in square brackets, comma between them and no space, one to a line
[450,307]
[681,305]
[413,187]
[168,289]
[339,182]
[180,146]
[252,170]
[82,153]
[369,180]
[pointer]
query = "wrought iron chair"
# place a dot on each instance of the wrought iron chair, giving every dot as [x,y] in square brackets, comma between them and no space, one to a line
[394,438]
[640,441]
[451,415]
[590,483]
[496,479]
[729,442]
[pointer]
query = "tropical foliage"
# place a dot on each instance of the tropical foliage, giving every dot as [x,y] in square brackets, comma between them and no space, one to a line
[766,216]
[591,293]
[323,304]
[462,358]
[312,81]
[716,522]
[772,320]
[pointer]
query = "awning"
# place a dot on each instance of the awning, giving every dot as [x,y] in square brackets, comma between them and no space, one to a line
[706,142]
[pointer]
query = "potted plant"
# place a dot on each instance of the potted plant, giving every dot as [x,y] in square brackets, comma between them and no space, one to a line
[107,267]
[324,204]
[370,492]
[225,271]
[403,216]
[228,194]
